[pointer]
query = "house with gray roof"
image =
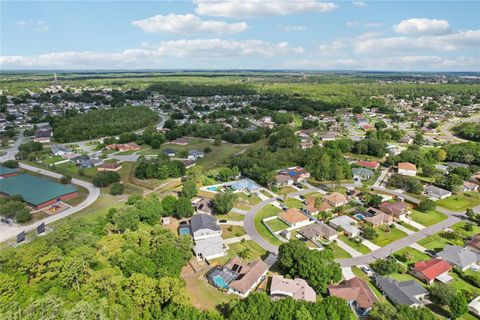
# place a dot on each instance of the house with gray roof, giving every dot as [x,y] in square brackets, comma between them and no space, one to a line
[346,224]
[195,154]
[460,257]
[436,192]
[362,173]
[408,293]
[207,235]
[59,149]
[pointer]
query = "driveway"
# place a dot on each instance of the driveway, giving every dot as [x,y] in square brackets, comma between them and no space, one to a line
[12,151]
[9,232]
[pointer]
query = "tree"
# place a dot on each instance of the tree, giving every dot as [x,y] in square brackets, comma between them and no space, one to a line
[382,311]
[23,215]
[12,164]
[468,227]
[458,306]
[387,266]
[66,179]
[126,218]
[426,205]
[283,138]
[442,294]
[183,208]
[105,178]
[189,189]
[155,144]
[428,170]
[223,202]
[369,233]
[168,205]
[117,188]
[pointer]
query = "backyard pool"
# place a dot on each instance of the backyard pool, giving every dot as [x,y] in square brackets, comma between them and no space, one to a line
[359,216]
[212,188]
[219,282]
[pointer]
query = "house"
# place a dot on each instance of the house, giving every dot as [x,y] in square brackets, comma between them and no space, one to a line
[207,236]
[474,243]
[180,142]
[357,293]
[460,257]
[406,139]
[378,218]
[165,221]
[238,277]
[336,199]
[407,169]
[169,152]
[109,166]
[7,172]
[60,150]
[346,224]
[202,205]
[434,269]
[362,173]
[437,193]
[297,288]
[469,186]
[310,205]
[43,135]
[245,185]
[131,146]
[368,164]
[398,210]
[294,217]
[317,231]
[290,176]
[394,150]
[474,306]
[408,293]
[195,154]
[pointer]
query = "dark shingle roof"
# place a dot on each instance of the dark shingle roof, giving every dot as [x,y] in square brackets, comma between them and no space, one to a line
[401,292]
[203,221]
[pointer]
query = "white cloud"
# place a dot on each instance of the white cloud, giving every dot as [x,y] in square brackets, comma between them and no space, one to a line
[187,24]
[335,47]
[259,8]
[290,27]
[154,56]
[373,24]
[39,25]
[360,4]
[351,24]
[404,63]
[422,26]
[449,42]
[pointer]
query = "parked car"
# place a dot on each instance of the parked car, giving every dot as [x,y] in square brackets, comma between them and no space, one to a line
[222,221]
[367,270]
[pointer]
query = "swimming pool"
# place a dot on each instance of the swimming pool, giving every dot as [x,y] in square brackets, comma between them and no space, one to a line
[359,216]
[212,188]
[219,282]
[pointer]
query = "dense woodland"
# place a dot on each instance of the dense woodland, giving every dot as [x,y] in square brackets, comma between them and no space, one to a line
[100,123]
[468,130]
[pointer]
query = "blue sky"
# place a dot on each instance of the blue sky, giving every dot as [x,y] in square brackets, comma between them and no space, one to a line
[239,34]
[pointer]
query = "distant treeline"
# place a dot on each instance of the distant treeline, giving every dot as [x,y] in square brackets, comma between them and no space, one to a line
[469,130]
[201,90]
[295,103]
[99,123]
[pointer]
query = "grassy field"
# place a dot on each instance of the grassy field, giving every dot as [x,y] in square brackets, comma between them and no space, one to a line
[384,238]
[294,203]
[413,255]
[255,251]
[355,245]
[265,212]
[339,253]
[460,202]
[277,224]
[406,225]
[82,195]
[245,202]
[437,242]
[230,216]
[232,231]
[427,218]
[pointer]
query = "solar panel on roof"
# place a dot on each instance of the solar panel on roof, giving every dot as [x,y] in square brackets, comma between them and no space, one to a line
[41,228]
[21,237]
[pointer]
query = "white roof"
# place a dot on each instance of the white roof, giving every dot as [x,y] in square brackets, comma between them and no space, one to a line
[475,304]
[444,278]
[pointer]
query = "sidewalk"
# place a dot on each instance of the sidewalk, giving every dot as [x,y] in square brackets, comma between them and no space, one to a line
[370,245]
[233,223]
[354,253]
[236,239]
[347,273]
[413,223]
[402,228]
[418,247]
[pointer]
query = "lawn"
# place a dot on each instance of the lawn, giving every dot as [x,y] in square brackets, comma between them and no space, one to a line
[82,195]
[406,225]
[294,203]
[232,231]
[384,238]
[277,224]
[427,218]
[460,202]
[245,202]
[230,216]
[286,190]
[357,246]
[265,212]
[255,251]
[461,225]
[339,253]
[436,242]
[414,255]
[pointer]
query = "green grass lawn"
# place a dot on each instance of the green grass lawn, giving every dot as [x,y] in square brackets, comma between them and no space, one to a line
[461,225]
[245,202]
[339,253]
[232,231]
[82,195]
[460,202]
[427,218]
[277,225]
[230,216]
[406,225]
[286,190]
[256,252]
[294,203]
[414,255]
[437,242]
[265,212]
[357,246]
[384,238]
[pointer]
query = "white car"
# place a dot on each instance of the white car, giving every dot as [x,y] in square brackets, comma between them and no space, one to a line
[367,270]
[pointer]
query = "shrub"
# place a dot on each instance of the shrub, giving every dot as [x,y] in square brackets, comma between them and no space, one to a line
[117,189]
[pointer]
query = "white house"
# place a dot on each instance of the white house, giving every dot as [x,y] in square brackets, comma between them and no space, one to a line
[207,236]
[407,169]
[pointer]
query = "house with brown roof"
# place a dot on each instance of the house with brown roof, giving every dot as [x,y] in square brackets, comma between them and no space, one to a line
[131,146]
[180,142]
[368,164]
[407,169]
[109,166]
[357,293]
[431,270]
[378,218]
[297,288]
[249,276]
[294,217]
[398,209]
[474,243]
[336,199]
[319,230]
[469,186]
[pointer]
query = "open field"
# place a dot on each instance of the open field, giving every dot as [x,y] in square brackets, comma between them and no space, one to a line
[232,231]
[265,212]
[387,237]
[427,218]
[277,224]
[355,245]
[460,202]
[294,203]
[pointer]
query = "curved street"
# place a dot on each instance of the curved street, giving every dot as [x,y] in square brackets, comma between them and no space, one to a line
[453,217]
[8,232]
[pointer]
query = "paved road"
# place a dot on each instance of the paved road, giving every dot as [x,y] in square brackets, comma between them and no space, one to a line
[453,217]
[8,232]
[445,128]
[10,152]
